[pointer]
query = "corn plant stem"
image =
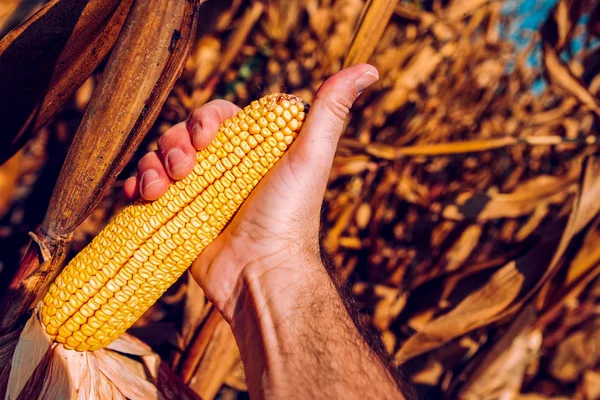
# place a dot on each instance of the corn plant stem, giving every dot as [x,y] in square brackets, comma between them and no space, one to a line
[389,152]
[369,30]
[199,345]
[123,108]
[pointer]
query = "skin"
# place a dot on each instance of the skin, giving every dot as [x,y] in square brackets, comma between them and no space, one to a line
[264,272]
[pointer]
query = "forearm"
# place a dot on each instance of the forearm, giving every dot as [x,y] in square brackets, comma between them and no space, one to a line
[297,339]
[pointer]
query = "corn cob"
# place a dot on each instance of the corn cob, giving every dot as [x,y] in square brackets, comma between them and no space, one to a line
[145,249]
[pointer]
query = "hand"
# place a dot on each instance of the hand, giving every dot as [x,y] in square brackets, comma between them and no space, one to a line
[264,273]
[280,219]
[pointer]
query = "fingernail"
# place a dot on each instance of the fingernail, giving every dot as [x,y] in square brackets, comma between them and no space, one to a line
[366,80]
[196,135]
[149,178]
[175,159]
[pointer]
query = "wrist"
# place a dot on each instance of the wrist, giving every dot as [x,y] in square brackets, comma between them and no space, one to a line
[272,280]
[271,311]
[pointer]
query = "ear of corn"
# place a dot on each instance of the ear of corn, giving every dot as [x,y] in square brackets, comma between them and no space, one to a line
[146,248]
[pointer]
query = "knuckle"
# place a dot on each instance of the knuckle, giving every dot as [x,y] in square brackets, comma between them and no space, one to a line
[146,158]
[162,143]
[337,109]
[194,117]
[339,104]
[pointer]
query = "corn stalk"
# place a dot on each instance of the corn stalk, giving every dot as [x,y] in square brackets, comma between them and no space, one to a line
[148,57]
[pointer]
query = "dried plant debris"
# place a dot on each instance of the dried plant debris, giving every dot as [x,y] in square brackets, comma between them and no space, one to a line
[462,206]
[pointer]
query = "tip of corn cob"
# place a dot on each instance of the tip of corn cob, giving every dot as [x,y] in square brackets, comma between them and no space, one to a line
[146,248]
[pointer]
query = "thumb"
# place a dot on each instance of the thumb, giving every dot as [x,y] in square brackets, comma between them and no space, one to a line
[316,144]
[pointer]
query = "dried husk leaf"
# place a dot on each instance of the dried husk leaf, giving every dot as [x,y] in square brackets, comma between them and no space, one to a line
[8,343]
[33,346]
[128,383]
[163,378]
[66,375]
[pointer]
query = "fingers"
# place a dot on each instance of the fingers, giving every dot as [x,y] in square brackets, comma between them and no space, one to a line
[153,179]
[177,147]
[316,144]
[131,188]
[176,151]
[176,155]
[204,122]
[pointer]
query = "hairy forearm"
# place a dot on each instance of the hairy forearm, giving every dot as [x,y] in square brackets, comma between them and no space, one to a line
[297,339]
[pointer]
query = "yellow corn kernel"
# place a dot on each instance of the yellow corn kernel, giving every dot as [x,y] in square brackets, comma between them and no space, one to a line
[146,248]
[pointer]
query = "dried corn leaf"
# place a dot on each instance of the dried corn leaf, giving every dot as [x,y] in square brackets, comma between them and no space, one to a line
[518,346]
[9,173]
[495,296]
[556,34]
[13,12]
[579,351]
[280,19]
[232,49]
[462,248]
[460,8]
[220,357]
[65,55]
[7,8]
[586,259]
[505,377]
[526,198]
[369,30]
[517,280]
[198,347]
[194,312]
[420,68]
[560,75]
[591,384]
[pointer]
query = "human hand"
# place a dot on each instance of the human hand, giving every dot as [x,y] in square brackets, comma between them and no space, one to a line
[280,219]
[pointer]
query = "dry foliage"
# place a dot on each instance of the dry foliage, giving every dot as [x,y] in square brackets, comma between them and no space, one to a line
[462,207]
